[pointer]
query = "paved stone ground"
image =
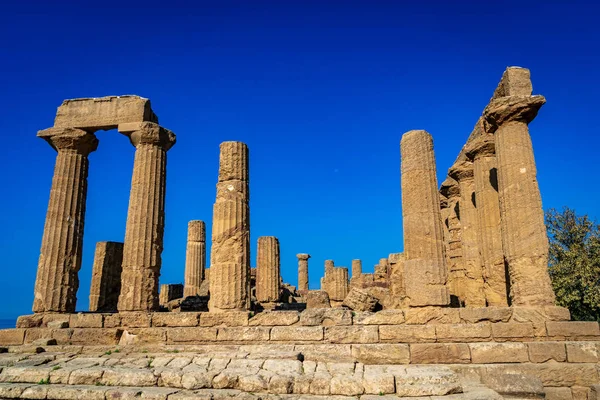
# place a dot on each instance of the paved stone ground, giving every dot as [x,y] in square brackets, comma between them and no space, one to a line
[121,374]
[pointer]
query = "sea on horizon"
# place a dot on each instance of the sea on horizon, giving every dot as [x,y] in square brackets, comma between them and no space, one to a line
[6,323]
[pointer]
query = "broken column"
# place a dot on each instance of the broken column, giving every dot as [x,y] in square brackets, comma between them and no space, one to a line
[425,265]
[230,252]
[168,292]
[356,268]
[268,276]
[106,277]
[482,151]
[195,258]
[303,271]
[462,172]
[146,216]
[329,268]
[62,242]
[338,284]
[524,239]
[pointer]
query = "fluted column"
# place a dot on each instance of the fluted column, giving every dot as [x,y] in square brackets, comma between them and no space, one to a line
[524,238]
[454,252]
[195,258]
[425,265]
[338,285]
[62,242]
[230,251]
[268,274]
[145,218]
[303,271]
[462,172]
[482,152]
[356,268]
[106,277]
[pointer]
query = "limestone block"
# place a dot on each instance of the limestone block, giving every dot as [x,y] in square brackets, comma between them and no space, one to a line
[175,319]
[378,383]
[513,330]
[558,393]
[492,314]
[230,318]
[325,317]
[326,352]
[381,353]
[136,319]
[144,335]
[29,321]
[352,334]
[96,336]
[86,321]
[297,333]
[463,332]
[12,337]
[595,392]
[515,385]
[244,333]
[540,352]
[407,333]
[360,300]
[346,385]
[106,276]
[582,352]
[191,334]
[103,113]
[439,353]
[427,381]
[491,353]
[552,374]
[274,318]
[383,317]
[580,393]
[574,329]
[432,315]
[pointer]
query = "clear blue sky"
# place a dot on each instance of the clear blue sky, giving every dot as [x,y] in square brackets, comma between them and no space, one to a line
[321,91]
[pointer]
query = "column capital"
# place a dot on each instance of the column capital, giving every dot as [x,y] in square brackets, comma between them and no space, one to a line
[81,141]
[461,171]
[148,133]
[450,188]
[303,256]
[511,108]
[481,146]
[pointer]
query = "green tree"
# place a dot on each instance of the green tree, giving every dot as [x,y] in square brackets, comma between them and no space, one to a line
[574,262]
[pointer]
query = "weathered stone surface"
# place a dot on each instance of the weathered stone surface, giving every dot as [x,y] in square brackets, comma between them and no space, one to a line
[425,265]
[297,333]
[135,319]
[175,319]
[97,336]
[558,393]
[12,337]
[103,113]
[230,250]
[381,353]
[243,333]
[106,277]
[144,229]
[383,317]
[360,300]
[492,314]
[582,352]
[490,353]
[574,329]
[325,317]
[317,299]
[427,381]
[337,283]
[191,334]
[274,318]
[57,278]
[195,258]
[439,353]
[303,271]
[512,330]
[463,332]
[352,334]
[86,320]
[540,352]
[407,333]
[229,318]
[268,274]
[326,352]
[169,292]
[432,315]
[30,321]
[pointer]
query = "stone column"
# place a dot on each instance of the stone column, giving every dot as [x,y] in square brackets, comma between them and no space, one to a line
[168,292]
[462,172]
[425,265]
[454,252]
[356,268]
[106,277]
[145,218]
[482,151]
[524,239]
[268,275]
[230,252]
[338,285]
[303,271]
[329,268]
[195,258]
[60,255]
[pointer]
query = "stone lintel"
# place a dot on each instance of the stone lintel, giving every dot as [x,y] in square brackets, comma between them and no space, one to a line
[103,113]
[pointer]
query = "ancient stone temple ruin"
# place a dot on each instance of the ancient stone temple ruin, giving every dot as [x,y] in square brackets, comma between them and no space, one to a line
[465,311]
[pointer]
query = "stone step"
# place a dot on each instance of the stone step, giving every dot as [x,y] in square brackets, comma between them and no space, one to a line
[191,372]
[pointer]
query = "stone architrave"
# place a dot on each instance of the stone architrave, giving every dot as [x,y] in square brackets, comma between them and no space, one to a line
[462,172]
[454,251]
[425,264]
[170,291]
[303,271]
[482,151]
[106,277]
[268,274]
[195,258]
[61,251]
[230,251]
[146,216]
[524,239]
